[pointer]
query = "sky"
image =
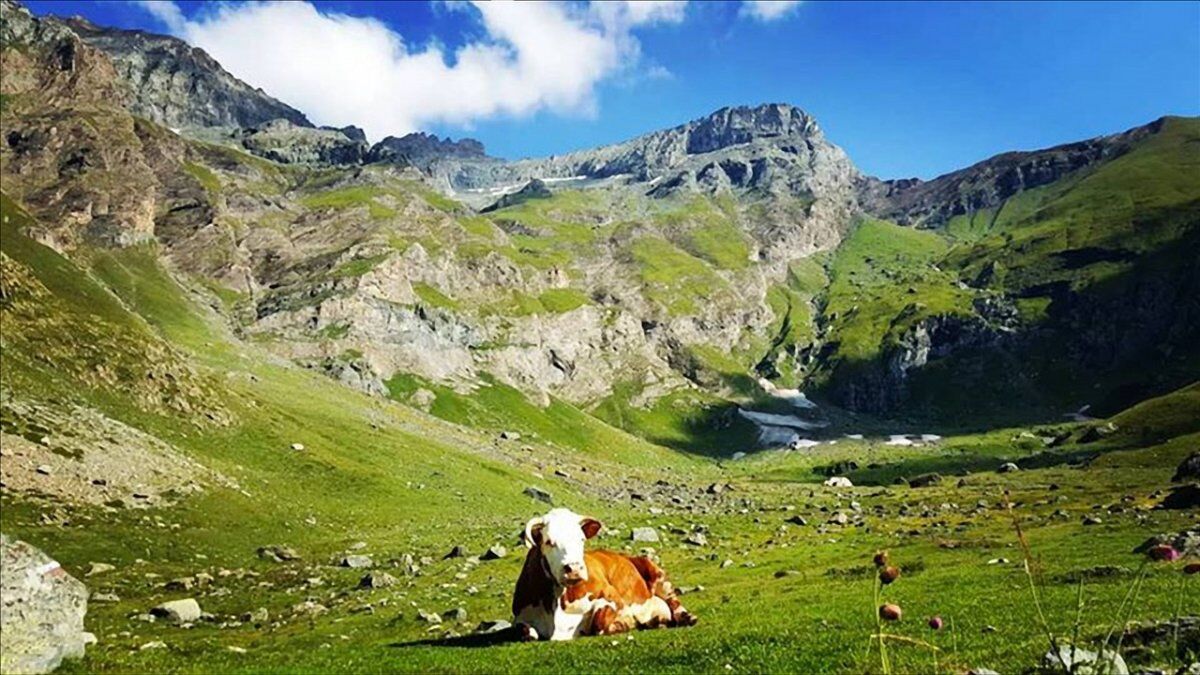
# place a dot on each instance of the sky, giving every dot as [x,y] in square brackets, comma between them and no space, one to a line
[906,88]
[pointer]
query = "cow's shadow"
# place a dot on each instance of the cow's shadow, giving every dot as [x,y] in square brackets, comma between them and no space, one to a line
[472,641]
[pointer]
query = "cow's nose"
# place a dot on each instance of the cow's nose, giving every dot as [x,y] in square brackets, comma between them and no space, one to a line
[572,571]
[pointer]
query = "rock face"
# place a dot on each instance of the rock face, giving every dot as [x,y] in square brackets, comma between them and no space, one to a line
[423,150]
[43,609]
[283,141]
[181,86]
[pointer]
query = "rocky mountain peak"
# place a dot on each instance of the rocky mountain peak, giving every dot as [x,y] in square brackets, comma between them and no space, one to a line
[742,124]
[421,149]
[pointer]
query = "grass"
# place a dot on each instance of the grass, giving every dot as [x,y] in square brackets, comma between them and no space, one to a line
[672,278]
[358,196]
[205,176]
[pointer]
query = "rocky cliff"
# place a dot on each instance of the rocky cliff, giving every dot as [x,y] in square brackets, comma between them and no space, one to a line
[178,85]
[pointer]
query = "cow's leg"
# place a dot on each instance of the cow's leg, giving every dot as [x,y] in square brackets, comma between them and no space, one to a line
[608,620]
[679,615]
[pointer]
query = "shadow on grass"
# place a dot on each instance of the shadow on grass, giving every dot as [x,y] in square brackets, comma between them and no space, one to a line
[473,641]
[966,464]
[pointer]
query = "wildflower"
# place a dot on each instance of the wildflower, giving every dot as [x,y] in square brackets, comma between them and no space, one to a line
[881,558]
[1192,568]
[889,574]
[936,623]
[890,612]
[1163,553]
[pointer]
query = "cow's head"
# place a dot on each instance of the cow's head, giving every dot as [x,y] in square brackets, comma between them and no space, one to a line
[559,536]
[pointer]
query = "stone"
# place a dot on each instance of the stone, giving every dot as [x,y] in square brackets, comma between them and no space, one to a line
[1186,542]
[838,482]
[494,552]
[510,435]
[458,551]
[1093,434]
[42,621]
[539,494]
[716,488]
[377,580]
[105,597]
[456,614]
[840,518]
[1092,520]
[726,563]
[1008,467]
[356,561]
[297,446]
[797,520]
[696,539]
[787,573]
[925,480]
[98,568]
[1189,468]
[644,535]
[493,626]
[309,608]
[428,617]
[357,546]
[259,616]
[186,610]
[278,553]
[45,469]
[1079,661]
[1182,497]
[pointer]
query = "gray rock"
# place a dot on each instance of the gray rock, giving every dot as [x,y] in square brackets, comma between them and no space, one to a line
[797,520]
[925,480]
[494,626]
[838,481]
[456,614]
[105,597]
[458,551]
[1008,467]
[377,580]
[644,534]
[1189,468]
[278,553]
[494,552]
[428,617]
[539,494]
[186,610]
[98,568]
[696,539]
[259,616]
[356,561]
[1079,661]
[42,621]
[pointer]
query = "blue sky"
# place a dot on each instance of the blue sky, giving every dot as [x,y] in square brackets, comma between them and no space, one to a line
[908,89]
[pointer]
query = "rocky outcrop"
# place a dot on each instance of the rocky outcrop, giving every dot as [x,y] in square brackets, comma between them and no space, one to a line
[181,86]
[989,183]
[284,142]
[42,621]
[423,150]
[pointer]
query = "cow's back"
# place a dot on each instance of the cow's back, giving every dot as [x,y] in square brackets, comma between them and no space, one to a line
[621,575]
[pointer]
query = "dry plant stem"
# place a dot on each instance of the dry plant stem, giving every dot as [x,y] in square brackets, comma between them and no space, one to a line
[1029,565]
[1137,587]
[1178,610]
[883,660]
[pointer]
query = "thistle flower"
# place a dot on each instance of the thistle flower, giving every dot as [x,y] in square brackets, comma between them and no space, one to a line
[1163,553]
[889,574]
[881,558]
[890,612]
[936,623]
[1192,568]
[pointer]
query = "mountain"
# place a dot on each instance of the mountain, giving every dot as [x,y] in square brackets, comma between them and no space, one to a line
[676,272]
[180,86]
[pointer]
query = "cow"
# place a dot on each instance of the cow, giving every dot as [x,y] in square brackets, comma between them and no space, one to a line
[565,592]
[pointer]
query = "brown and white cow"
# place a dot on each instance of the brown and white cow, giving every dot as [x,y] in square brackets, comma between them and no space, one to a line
[566,592]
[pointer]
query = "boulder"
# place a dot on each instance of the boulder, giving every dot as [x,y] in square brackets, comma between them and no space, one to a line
[925,480]
[1093,434]
[43,610]
[186,610]
[1080,661]
[494,626]
[1189,468]
[1186,542]
[377,580]
[494,552]
[278,553]
[1008,467]
[1185,496]
[838,481]
[356,561]
[539,494]
[644,534]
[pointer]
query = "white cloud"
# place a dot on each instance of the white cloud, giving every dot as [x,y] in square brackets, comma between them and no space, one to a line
[768,10]
[340,69]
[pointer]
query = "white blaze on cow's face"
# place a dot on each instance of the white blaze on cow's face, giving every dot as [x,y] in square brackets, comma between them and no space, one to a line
[560,536]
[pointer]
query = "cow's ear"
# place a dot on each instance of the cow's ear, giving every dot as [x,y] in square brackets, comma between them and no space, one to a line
[533,532]
[591,527]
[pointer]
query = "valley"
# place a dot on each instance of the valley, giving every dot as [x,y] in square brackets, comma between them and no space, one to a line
[241,351]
